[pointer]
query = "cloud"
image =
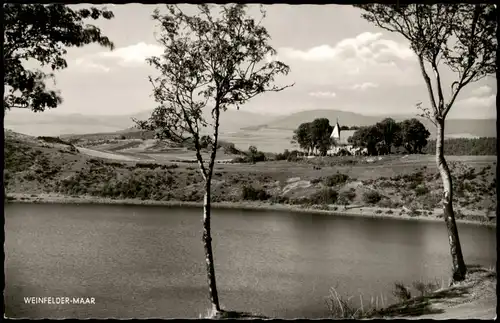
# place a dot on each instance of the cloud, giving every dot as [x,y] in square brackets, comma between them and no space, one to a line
[133,55]
[362,86]
[128,56]
[481,91]
[366,46]
[323,94]
[353,60]
[475,102]
[89,66]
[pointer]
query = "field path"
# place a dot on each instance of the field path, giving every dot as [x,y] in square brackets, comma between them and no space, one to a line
[107,155]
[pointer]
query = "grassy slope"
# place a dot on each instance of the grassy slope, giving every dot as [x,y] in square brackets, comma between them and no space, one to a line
[405,184]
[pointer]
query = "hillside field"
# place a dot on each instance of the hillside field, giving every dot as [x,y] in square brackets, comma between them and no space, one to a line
[406,184]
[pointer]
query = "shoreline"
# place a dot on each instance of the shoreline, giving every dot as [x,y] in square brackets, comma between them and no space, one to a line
[359,211]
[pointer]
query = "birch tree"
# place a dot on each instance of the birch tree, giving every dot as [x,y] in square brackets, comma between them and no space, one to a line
[460,37]
[211,61]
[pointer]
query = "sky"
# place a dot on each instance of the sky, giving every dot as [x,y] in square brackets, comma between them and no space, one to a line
[338,61]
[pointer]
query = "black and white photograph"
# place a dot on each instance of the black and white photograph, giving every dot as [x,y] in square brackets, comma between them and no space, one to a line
[237,160]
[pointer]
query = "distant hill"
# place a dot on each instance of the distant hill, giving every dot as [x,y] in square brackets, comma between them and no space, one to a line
[454,127]
[52,123]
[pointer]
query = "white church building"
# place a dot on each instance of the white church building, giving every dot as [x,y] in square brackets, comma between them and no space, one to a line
[340,137]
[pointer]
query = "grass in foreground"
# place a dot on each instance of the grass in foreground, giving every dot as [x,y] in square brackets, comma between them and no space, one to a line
[479,285]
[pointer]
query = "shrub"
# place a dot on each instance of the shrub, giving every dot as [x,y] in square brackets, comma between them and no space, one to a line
[421,190]
[315,180]
[423,288]
[389,212]
[371,197]
[324,196]
[283,156]
[345,197]
[401,292]
[55,140]
[413,212]
[293,156]
[253,194]
[241,160]
[254,155]
[336,179]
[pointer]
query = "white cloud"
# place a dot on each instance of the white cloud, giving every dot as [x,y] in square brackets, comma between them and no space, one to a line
[323,94]
[133,55]
[482,90]
[366,46]
[128,56]
[478,102]
[353,60]
[89,66]
[361,86]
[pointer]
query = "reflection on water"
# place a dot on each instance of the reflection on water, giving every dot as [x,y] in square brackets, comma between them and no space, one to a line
[148,261]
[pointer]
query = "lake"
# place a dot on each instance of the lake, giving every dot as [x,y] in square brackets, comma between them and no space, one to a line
[148,261]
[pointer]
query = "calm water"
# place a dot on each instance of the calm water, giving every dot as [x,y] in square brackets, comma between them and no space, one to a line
[148,261]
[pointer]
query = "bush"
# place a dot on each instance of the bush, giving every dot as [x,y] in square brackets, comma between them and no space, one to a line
[372,197]
[240,160]
[315,180]
[283,156]
[335,179]
[401,292]
[324,196]
[423,288]
[254,194]
[293,156]
[421,190]
[413,212]
[254,155]
[346,197]
[55,140]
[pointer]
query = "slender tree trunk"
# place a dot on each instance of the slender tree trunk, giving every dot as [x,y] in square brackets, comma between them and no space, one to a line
[207,244]
[459,269]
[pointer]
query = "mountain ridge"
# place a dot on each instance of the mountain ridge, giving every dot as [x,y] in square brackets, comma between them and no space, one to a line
[231,121]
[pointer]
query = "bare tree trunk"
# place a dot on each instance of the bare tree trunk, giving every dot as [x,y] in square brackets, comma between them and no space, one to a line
[207,244]
[459,269]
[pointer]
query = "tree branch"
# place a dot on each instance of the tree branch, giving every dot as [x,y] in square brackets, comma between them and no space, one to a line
[428,83]
[439,87]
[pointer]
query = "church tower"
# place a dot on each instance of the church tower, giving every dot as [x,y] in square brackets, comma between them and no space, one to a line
[336,131]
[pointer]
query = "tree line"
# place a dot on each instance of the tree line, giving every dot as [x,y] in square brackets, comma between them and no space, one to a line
[388,136]
[483,146]
[382,138]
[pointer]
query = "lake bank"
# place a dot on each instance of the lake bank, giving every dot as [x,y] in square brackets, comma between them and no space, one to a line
[359,211]
[473,298]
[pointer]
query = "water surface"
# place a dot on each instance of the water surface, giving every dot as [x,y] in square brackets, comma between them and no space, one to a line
[147,261]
